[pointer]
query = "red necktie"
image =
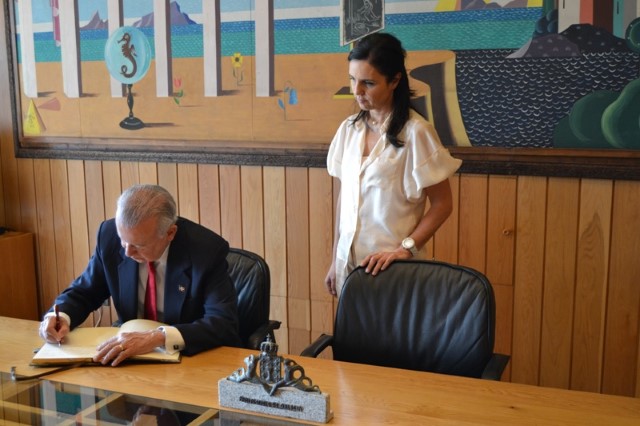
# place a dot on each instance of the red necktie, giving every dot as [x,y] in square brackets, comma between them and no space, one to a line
[150,296]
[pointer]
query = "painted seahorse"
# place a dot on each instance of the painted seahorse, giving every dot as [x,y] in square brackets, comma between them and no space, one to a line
[129,52]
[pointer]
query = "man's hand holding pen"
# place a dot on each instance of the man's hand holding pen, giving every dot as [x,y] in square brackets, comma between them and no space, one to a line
[54,327]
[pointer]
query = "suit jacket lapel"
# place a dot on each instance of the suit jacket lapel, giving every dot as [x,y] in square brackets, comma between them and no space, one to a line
[177,282]
[128,281]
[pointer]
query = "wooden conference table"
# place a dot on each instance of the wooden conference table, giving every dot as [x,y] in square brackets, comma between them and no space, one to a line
[359,394]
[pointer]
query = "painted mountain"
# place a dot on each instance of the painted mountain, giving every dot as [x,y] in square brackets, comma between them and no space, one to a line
[96,23]
[176,16]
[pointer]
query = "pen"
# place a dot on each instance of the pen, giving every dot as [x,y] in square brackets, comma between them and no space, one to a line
[57,312]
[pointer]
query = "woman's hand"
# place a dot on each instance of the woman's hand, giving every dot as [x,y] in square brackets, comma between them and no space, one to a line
[125,345]
[380,261]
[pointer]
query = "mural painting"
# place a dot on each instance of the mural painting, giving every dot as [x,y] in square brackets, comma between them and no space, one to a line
[238,73]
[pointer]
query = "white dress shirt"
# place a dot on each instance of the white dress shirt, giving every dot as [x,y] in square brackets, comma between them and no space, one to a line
[382,198]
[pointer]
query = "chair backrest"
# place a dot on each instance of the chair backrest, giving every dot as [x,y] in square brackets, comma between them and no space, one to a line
[418,315]
[250,275]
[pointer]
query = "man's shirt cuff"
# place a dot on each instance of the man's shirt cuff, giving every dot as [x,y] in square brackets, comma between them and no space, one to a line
[173,341]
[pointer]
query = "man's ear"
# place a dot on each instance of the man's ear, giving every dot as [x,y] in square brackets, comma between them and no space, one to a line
[171,232]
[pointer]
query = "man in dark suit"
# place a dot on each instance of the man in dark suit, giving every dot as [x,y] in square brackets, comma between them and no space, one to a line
[145,246]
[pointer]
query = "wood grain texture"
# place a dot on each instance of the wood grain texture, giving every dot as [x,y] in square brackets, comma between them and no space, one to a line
[61,222]
[48,270]
[209,193]
[559,281]
[528,276]
[297,195]
[188,202]
[79,230]
[501,224]
[623,300]
[17,275]
[252,209]
[231,202]
[472,231]
[594,233]
[359,393]
[446,239]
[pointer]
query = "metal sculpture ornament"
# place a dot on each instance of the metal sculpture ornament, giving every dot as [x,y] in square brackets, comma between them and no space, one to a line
[127,55]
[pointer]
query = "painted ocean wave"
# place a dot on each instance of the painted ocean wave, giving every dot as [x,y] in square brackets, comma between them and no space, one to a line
[518,102]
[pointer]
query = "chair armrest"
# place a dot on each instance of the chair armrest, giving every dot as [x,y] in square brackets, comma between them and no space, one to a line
[320,344]
[495,367]
[261,333]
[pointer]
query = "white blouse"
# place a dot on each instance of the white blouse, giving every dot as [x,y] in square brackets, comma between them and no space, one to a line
[382,198]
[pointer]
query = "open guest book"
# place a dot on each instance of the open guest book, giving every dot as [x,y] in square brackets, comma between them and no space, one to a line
[80,345]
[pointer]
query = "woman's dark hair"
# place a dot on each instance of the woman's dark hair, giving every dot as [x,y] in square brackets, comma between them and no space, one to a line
[385,53]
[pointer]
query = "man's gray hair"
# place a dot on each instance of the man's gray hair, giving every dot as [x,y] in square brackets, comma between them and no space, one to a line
[141,202]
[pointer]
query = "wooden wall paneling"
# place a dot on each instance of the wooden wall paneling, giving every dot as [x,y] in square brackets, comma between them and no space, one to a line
[252,209]
[473,221]
[637,394]
[96,210]
[45,234]
[95,199]
[3,204]
[129,174]
[112,182]
[9,180]
[61,222]
[188,200]
[148,172]
[594,237]
[209,193]
[275,248]
[504,324]
[28,207]
[28,210]
[78,216]
[501,225]
[298,292]
[10,207]
[168,178]
[559,281]
[528,276]
[623,304]
[320,250]
[231,205]
[446,239]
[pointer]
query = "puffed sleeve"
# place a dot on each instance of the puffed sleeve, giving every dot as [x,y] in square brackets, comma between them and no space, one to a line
[430,162]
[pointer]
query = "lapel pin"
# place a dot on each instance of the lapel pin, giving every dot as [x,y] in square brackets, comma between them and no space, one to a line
[181,288]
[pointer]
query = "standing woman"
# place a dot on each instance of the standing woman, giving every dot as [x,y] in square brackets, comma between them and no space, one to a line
[389,161]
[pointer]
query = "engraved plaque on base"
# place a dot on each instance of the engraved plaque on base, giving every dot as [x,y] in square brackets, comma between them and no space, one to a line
[293,403]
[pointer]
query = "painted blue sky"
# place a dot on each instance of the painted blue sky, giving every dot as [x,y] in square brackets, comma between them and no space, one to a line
[138,8]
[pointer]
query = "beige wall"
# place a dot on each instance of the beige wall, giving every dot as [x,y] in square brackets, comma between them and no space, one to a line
[562,253]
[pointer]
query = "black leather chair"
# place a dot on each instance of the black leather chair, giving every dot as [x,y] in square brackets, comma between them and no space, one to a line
[417,315]
[250,275]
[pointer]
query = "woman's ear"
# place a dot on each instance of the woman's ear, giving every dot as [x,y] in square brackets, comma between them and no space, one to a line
[395,81]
